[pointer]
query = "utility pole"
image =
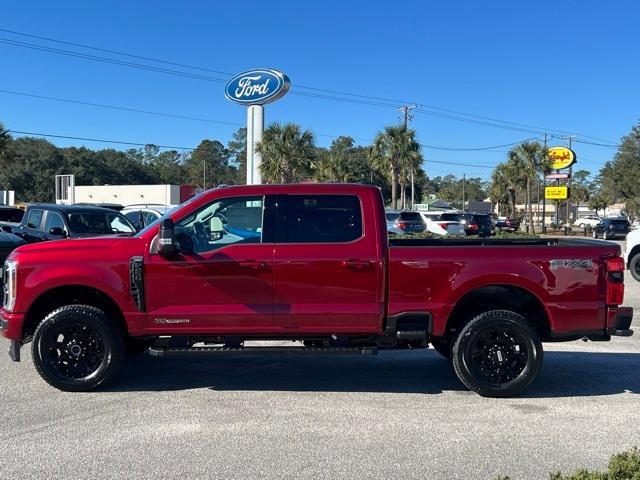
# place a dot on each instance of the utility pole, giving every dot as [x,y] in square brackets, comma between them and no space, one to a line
[464,184]
[405,109]
[569,138]
[204,174]
[544,189]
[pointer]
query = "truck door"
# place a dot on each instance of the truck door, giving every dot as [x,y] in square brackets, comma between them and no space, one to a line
[221,280]
[31,229]
[326,266]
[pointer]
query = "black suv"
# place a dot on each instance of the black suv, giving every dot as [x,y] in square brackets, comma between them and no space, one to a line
[611,228]
[477,224]
[43,222]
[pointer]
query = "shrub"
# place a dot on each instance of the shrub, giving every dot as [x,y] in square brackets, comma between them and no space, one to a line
[622,466]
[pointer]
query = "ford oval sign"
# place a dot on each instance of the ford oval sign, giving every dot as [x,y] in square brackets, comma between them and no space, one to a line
[257,87]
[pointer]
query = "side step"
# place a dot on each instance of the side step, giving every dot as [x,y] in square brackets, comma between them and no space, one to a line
[366,351]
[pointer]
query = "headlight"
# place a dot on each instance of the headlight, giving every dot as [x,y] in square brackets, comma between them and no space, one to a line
[10,285]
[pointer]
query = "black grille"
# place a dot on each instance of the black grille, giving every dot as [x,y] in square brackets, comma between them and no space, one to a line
[136,281]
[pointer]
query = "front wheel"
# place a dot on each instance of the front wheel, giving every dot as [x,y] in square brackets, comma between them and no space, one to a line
[497,354]
[606,235]
[594,234]
[77,348]
[634,267]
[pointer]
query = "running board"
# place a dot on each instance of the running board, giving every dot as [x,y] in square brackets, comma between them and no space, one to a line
[366,351]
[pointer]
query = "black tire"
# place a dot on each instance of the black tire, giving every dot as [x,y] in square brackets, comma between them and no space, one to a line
[497,354]
[443,347]
[634,267]
[594,234]
[77,348]
[605,235]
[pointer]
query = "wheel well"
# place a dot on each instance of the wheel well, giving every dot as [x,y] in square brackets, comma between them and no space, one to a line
[67,295]
[492,297]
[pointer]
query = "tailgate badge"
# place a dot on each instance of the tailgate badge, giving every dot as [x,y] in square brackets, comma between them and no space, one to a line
[577,263]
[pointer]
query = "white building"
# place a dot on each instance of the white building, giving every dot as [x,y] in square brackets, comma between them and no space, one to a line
[133,194]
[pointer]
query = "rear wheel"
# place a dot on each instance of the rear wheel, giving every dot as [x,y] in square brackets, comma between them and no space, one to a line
[77,348]
[497,354]
[634,267]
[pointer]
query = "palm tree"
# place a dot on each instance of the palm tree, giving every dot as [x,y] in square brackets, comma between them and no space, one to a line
[526,161]
[396,152]
[500,190]
[287,153]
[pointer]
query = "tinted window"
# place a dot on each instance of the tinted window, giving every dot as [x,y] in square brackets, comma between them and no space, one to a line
[392,217]
[411,216]
[223,222]
[98,223]
[483,219]
[53,220]
[34,218]
[323,219]
[620,223]
[13,215]
[450,217]
[134,218]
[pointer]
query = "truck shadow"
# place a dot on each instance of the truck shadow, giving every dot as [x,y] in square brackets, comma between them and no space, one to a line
[564,374]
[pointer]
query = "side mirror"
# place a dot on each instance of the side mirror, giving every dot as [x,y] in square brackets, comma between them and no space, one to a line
[166,245]
[57,231]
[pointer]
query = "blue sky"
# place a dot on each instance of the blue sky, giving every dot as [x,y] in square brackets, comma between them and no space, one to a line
[560,65]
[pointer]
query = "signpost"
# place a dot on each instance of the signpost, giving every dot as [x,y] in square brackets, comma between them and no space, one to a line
[561,158]
[255,88]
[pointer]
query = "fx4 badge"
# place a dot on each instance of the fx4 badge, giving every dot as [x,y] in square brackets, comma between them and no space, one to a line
[163,321]
[577,263]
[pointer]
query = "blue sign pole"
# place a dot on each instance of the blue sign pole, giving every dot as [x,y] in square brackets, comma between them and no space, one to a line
[255,88]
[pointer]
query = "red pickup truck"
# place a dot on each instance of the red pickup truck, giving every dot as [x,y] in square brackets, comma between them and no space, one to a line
[310,264]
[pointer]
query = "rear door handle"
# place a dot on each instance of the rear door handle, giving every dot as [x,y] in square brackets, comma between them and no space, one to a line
[356,264]
[253,265]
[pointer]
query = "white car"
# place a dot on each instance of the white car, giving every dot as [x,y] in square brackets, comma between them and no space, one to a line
[587,220]
[632,253]
[443,223]
[144,214]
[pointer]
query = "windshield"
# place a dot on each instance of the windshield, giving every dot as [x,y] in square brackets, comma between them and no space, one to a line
[98,222]
[450,217]
[392,216]
[13,215]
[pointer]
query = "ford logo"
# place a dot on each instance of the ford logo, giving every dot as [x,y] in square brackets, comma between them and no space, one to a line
[257,87]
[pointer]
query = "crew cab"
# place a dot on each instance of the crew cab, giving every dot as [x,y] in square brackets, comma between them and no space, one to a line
[45,221]
[310,264]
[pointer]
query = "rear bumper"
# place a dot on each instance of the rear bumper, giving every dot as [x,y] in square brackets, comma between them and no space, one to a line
[619,321]
[11,324]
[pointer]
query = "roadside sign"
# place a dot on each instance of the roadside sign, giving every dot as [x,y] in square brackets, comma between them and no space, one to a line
[557,176]
[556,193]
[561,157]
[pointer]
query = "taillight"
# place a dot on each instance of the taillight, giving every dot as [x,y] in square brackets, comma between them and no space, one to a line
[401,225]
[614,268]
[443,225]
[473,226]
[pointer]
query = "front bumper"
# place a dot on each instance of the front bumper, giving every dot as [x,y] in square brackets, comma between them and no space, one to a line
[11,324]
[619,321]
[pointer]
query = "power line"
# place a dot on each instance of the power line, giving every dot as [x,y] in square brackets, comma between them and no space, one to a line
[364,99]
[101,140]
[207,120]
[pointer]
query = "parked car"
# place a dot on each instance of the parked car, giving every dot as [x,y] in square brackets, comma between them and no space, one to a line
[507,225]
[44,221]
[477,224]
[632,253]
[587,221]
[391,216]
[407,222]
[8,242]
[443,223]
[611,228]
[313,265]
[10,217]
[142,215]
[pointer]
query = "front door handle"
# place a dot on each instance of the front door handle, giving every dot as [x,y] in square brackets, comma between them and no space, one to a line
[356,264]
[253,265]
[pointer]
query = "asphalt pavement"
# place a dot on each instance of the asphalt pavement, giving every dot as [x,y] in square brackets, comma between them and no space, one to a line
[395,415]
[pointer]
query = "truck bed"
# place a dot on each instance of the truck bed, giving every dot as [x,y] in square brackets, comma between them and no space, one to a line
[488,242]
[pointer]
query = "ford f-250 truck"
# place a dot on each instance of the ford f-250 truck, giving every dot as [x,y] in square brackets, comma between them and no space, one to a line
[311,264]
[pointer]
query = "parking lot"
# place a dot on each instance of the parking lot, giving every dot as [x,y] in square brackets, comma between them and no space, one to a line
[395,415]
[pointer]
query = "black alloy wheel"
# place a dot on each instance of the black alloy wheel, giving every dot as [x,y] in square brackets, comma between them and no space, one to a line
[497,354]
[77,348]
